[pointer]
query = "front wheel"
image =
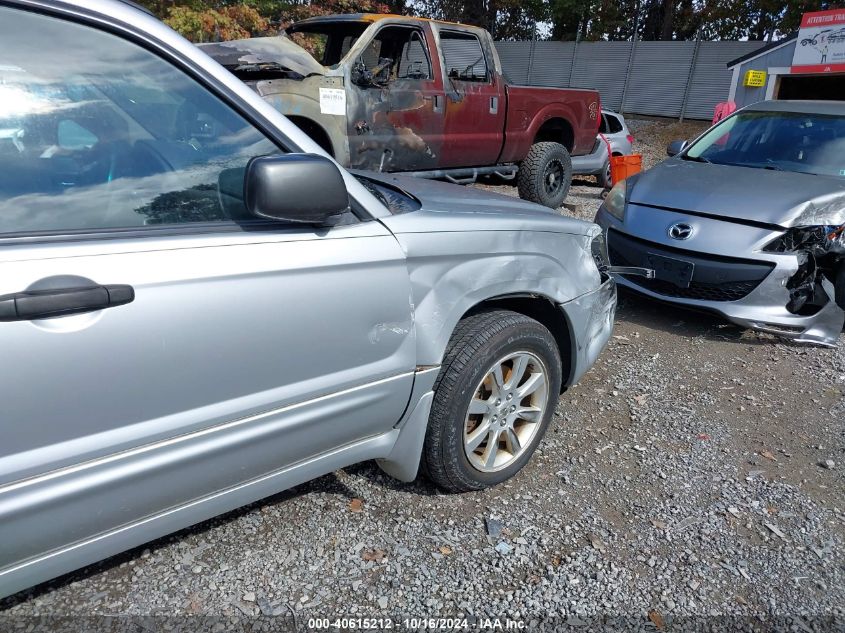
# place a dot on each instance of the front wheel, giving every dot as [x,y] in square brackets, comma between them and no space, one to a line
[545,174]
[493,400]
[604,178]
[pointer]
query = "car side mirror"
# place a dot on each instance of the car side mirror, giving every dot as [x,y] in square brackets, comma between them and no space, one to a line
[676,147]
[303,188]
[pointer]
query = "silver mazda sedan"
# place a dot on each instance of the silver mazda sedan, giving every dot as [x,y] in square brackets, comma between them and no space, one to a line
[199,309]
[747,221]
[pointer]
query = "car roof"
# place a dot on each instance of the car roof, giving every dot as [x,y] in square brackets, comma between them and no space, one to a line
[834,108]
[376,17]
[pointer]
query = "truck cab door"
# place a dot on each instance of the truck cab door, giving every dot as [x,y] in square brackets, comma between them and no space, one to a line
[396,117]
[475,101]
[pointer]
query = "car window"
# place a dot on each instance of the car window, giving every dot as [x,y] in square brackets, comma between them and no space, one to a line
[98,133]
[614,126]
[780,141]
[464,56]
[603,128]
[396,52]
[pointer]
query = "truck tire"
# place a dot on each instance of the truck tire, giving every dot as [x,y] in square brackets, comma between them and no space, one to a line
[493,400]
[545,174]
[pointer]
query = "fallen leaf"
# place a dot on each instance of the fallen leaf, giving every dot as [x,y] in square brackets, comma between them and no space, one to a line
[656,618]
[660,525]
[194,604]
[641,398]
[768,455]
[703,436]
[356,505]
[375,555]
[445,550]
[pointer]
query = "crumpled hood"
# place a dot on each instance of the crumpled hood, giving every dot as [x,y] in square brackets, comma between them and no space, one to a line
[279,50]
[481,210]
[774,197]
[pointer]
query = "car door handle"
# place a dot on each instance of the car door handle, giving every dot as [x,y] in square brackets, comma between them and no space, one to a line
[436,102]
[43,304]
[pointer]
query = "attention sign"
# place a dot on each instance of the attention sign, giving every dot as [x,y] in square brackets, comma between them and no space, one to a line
[820,47]
[754,78]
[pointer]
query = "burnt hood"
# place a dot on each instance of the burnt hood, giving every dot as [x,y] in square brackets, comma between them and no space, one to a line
[760,195]
[278,51]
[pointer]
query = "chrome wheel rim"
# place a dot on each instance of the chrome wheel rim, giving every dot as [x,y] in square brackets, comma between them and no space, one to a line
[506,411]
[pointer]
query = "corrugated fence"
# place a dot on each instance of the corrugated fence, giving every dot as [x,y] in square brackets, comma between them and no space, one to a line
[672,79]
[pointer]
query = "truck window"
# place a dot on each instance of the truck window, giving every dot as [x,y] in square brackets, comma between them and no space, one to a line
[464,56]
[396,52]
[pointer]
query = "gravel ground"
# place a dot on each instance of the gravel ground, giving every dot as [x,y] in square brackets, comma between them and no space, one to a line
[697,470]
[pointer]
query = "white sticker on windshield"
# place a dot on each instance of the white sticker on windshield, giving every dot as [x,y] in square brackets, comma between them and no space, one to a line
[333,101]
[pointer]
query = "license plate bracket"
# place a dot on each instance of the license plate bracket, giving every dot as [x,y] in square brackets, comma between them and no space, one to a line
[675,271]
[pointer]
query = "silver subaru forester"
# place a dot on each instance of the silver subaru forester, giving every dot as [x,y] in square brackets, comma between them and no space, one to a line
[195,314]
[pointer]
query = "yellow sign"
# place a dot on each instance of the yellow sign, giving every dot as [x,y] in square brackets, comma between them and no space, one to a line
[754,78]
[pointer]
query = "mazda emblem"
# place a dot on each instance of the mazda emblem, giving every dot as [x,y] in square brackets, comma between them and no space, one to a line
[680,231]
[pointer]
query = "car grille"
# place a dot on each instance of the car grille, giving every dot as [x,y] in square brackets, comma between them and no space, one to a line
[714,278]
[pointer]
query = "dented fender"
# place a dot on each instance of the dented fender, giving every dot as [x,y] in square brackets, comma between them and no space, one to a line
[452,272]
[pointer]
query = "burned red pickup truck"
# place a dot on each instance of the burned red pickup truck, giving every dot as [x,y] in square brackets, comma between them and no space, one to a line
[400,94]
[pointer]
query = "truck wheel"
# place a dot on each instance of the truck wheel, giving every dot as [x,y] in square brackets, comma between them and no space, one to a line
[545,174]
[493,399]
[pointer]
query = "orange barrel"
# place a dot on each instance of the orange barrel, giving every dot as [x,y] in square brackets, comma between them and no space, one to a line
[623,166]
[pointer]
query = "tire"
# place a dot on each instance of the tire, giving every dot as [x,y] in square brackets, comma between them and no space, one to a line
[545,174]
[479,343]
[604,178]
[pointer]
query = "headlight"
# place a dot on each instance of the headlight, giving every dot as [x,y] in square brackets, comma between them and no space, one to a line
[819,240]
[598,247]
[615,201]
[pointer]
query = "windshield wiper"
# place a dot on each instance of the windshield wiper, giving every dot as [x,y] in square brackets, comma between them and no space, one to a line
[697,159]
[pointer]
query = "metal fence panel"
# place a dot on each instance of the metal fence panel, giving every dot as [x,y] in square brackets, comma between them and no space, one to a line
[601,65]
[659,75]
[711,79]
[552,64]
[663,76]
[515,57]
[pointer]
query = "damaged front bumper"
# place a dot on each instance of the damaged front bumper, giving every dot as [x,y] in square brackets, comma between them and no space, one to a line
[590,318]
[751,276]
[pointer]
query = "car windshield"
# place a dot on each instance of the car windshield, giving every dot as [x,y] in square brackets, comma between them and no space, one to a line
[328,42]
[782,141]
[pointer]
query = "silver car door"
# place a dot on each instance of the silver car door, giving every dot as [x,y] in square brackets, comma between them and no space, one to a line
[229,350]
